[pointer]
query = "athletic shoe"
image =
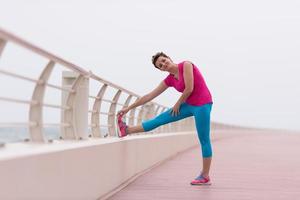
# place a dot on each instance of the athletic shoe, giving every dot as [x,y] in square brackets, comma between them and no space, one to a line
[122,127]
[201,180]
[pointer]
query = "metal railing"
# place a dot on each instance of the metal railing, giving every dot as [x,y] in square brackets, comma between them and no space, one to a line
[74,107]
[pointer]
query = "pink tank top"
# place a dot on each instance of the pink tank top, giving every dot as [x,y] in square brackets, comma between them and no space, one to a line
[200,94]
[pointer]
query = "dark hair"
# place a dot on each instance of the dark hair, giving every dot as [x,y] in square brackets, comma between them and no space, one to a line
[156,56]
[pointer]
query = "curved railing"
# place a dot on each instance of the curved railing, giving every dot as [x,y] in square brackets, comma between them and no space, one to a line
[81,109]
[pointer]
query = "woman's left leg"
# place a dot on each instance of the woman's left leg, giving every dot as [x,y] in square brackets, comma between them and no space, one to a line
[202,119]
[135,129]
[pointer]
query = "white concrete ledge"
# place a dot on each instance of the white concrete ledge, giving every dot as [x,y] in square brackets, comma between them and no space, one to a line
[83,170]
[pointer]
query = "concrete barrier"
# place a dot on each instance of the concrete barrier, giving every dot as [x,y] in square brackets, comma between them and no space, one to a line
[84,170]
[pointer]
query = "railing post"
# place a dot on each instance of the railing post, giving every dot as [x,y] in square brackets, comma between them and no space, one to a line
[2,45]
[140,115]
[167,127]
[95,120]
[36,110]
[191,124]
[148,111]
[183,125]
[127,103]
[111,117]
[77,101]
[156,110]
[131,116]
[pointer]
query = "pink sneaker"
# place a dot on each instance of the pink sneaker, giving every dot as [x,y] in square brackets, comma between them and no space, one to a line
[122,127]
[201,180]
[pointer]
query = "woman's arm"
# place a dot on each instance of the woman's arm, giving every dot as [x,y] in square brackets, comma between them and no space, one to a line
[189,87]
[146,98]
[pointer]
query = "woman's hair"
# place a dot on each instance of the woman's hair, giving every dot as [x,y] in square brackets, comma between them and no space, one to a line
[156,56]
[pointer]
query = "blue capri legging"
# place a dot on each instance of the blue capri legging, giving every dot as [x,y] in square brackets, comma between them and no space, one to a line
[202,120]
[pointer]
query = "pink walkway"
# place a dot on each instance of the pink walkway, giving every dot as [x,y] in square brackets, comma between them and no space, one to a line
[247,165]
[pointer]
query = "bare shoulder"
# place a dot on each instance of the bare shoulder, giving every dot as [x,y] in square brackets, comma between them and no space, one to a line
[187,64]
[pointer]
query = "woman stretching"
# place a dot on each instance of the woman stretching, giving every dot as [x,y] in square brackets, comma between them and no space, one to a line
[195,101]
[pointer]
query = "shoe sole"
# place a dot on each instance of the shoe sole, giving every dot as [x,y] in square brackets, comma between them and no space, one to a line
[118,129]
[209,183]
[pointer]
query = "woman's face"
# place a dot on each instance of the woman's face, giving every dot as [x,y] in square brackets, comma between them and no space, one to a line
[163,63]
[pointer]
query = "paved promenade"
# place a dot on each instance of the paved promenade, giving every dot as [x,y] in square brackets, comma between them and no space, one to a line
[247,165]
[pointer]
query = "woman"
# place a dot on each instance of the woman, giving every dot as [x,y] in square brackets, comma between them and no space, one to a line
[195,101]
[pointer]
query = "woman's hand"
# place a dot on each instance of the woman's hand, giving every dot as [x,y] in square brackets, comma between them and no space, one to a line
[122,112]
[175,110]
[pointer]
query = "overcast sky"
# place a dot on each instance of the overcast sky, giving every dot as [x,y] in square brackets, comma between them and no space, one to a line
[248,51]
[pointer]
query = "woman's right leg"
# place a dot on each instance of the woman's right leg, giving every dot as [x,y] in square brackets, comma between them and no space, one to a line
[162,119]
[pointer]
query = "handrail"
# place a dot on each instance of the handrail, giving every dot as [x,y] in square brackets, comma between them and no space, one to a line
[72,110]
[56,124]
[59,88]
[56,106]
[18,124]
[17,100]
[18,76]
[13,38]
